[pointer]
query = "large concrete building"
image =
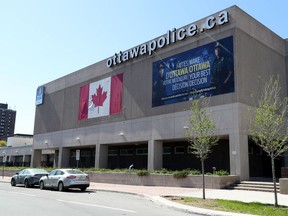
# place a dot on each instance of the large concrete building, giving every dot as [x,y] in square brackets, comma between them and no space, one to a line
[132,108]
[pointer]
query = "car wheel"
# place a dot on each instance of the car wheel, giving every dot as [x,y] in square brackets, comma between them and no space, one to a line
[41,185]
[60,186]
[26,183]
[83,189]
[13,182]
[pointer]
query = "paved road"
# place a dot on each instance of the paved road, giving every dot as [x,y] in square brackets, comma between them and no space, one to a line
[32,201]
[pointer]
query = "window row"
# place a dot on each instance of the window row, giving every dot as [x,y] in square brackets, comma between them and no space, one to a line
[144,151]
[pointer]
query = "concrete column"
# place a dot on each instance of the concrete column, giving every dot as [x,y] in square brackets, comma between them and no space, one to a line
[101,156]
[155,152]
[23,160]
[64,154]
[36,158]
[239,157]
[56,159]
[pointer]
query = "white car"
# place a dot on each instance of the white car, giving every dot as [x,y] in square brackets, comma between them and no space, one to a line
[62,179]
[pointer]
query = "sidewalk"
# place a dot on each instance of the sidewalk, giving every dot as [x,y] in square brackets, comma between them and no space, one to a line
[156,194]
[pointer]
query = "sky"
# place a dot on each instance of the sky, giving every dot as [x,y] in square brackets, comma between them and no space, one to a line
[43,40]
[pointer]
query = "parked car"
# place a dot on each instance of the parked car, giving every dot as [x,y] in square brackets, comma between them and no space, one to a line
[28,177]
[62,179]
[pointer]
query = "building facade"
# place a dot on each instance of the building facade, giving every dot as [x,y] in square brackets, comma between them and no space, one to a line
[8,118]
[18,151]
[132,108]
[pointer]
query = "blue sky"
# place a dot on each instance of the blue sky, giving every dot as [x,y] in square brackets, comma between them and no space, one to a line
[43,40]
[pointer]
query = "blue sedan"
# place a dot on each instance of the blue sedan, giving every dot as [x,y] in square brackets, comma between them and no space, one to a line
[28,177]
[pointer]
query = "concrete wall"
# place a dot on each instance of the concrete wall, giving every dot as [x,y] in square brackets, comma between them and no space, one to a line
[19,141]
[214,182]
[62,95]
[258,52]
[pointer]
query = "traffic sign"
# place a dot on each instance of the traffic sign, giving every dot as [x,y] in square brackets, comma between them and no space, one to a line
[77,154]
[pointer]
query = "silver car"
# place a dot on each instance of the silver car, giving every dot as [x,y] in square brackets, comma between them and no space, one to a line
[62,179]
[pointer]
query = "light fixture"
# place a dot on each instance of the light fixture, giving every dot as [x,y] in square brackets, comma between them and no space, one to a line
[185,127]
[121,134]
[77,138]
[46,142]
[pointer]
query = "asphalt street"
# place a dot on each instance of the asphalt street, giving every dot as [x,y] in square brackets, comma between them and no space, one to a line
[33,201]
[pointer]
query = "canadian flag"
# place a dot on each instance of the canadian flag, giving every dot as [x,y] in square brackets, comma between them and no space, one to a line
[101,98]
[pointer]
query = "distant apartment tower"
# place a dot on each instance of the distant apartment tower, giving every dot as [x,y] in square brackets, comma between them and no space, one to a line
[7,121]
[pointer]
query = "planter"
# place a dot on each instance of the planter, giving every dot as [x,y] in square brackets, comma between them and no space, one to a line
[283,182]
[166,180]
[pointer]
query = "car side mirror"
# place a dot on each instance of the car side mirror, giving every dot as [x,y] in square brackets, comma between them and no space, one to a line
[17,173]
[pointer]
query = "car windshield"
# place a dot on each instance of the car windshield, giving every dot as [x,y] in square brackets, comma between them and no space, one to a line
[38,171]
[73,171]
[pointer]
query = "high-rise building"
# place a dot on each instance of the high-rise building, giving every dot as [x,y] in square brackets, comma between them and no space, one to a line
[7,124]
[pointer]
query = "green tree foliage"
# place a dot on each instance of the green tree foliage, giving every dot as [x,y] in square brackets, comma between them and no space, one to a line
[200,134]
[268,127]
[3,143]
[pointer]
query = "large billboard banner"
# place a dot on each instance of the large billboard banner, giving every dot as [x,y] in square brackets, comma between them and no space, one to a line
[204,71]
[101,98]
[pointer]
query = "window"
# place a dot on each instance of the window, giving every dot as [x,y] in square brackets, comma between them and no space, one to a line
[126,151]
[59,172]
[142,151]
[166,150]
[52,173]
[179,150]
[87,154]
[112,152]
[24,172]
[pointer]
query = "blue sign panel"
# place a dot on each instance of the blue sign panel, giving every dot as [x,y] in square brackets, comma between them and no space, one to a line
[204,71]
[40,95]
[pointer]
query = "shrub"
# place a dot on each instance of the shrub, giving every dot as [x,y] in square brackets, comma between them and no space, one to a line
[195,172]
[162,171]
[142,172]
[221,173]
[181,174]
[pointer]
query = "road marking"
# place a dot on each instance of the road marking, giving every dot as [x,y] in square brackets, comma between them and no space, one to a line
[32,195]
[99,206]
[25,194]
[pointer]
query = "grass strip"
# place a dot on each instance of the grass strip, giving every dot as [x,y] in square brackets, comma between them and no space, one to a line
[253,208]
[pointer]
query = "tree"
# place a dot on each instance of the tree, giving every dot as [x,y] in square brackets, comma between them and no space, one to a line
[268,127]
[200,134]
[3,143]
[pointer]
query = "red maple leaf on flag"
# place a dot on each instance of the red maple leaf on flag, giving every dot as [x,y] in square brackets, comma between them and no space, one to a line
[99,97]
